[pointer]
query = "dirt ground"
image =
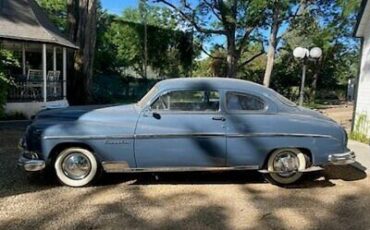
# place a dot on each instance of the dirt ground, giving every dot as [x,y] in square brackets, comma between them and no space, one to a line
[337,198]
[340,113]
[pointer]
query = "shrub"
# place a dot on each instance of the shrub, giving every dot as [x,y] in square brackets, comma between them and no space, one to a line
[7,60]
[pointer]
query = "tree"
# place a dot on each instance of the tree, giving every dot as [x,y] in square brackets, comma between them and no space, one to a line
[328,25]
[169,51]
[57,12]
[82,24]
[238,21]
[281,11]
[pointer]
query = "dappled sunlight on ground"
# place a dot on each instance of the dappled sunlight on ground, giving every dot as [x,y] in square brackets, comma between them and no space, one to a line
[338,198]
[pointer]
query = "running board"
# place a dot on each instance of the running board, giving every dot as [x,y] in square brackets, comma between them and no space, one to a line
[310,169]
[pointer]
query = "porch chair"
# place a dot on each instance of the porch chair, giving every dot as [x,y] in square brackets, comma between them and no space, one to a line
[53,82]
[34,82]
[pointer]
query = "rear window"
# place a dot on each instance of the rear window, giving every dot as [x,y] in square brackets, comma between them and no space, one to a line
[243,102]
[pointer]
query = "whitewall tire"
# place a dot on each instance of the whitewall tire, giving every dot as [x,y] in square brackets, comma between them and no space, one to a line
[287,161]
[76,167]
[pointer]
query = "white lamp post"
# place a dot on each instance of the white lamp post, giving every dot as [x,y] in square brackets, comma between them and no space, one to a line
[305,54]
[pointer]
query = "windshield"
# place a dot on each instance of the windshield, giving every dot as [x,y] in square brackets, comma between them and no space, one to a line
[149,95]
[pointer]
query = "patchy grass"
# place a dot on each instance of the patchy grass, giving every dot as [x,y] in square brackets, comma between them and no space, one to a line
[361,129]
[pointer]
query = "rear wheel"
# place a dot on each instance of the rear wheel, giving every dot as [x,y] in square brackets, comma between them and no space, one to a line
[76,167]
[284,165]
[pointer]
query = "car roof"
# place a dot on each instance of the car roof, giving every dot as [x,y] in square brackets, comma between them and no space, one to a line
[212,83]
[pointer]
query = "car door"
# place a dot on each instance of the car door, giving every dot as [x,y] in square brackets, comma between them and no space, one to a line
[247,121]
[182,128]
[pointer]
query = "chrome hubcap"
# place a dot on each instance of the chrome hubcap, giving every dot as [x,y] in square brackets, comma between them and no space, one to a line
[76,166]
[286,163]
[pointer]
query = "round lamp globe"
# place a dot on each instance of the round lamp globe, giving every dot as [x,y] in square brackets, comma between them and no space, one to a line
[315,52]
[300,52]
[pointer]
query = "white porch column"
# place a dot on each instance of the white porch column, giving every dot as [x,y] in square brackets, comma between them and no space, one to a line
[44,71]
[54,59]
[23,60]
[64,73]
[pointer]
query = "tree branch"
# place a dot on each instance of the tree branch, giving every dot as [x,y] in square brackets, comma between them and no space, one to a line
[254,56]
[213,9]
[297,12]
[210,55]
[251,59]
[245,39]
[191,20]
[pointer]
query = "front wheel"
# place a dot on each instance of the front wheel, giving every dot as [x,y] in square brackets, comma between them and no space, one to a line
[76,167]
[284,165]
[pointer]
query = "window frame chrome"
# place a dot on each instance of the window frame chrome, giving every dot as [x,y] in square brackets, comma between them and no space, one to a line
[266,103]
[164,92]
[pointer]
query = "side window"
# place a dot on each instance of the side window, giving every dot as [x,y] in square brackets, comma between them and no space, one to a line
[188,100]
[243,102]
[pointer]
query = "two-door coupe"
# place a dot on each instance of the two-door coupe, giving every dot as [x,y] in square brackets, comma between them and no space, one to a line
[196,124]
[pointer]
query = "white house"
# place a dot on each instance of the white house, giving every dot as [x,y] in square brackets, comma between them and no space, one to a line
[40,81]
[361,116]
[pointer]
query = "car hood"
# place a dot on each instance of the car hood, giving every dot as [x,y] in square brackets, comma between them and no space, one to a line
[66,114]
[87,113]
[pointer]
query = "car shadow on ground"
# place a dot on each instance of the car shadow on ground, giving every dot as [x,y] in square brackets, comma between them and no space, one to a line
[324,178]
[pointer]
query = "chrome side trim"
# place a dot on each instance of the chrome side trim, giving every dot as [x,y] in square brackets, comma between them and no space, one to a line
[115,166]
[122,166]
[277,134]
[177,135]
[88,137]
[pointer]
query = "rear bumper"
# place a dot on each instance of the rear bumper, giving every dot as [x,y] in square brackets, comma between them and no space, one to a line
[345,158]
[31,165]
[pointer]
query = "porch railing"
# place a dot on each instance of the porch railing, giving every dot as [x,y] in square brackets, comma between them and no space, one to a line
[27,91]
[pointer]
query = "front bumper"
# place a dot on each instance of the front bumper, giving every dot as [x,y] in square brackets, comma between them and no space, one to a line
[342,158]
[31,165]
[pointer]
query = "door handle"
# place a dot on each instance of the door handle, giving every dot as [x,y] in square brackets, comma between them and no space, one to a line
[220,118]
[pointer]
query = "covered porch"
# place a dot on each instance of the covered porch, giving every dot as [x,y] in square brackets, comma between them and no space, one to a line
[40,80]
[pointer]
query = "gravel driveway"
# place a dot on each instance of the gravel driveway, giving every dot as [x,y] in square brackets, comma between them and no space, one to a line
[339,198]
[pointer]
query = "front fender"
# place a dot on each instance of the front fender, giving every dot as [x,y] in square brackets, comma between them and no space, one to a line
[108,141]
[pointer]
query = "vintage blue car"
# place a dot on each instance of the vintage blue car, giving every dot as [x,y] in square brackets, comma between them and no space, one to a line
[196,124]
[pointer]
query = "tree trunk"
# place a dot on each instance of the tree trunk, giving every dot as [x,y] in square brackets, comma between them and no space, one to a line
[315,80]
[232,57]
[82,31]
[272,44]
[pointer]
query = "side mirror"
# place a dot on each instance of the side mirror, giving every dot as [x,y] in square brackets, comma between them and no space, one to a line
[149,112]
[156,115]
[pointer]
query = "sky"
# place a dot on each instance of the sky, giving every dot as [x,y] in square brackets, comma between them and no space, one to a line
[117,6]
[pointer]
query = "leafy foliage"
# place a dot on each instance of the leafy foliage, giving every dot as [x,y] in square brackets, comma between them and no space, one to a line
[121,44]
[6,61]
[57,12]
